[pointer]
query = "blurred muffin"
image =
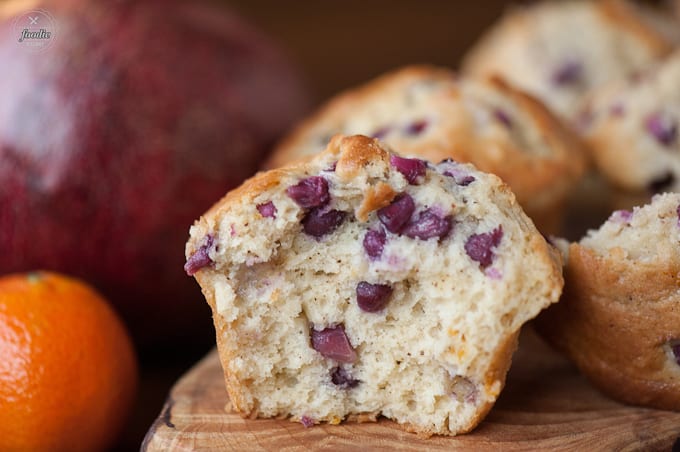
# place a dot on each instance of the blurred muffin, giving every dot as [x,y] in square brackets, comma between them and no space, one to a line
[632,129]
[430,113]
[558,51]
[618,319]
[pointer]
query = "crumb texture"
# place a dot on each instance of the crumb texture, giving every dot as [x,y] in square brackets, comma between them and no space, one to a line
[647,234]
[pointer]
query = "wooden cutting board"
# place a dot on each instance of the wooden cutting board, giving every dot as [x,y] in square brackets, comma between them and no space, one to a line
[546,405]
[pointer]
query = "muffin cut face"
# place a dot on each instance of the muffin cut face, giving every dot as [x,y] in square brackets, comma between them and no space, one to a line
[371,284]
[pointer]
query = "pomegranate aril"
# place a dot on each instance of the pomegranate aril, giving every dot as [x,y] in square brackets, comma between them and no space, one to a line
[341,378]
[374,242]
[267,210]
[320,221]
[493,273]
[428,224]
[462,180]
[451,169]
[416,127]
[310,192]
[332,343]
[200,258]
[479,246]
[569,73]
[465,180]
[381,132]
[397,214]
[411,169]
[372,297]
[662,127]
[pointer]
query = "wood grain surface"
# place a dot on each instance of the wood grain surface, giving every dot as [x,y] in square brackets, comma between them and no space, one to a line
[546,405]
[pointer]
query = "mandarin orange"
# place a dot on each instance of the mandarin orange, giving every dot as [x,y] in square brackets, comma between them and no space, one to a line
[68,371]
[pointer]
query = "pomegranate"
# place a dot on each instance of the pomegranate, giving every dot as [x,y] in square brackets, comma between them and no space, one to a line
[120,123]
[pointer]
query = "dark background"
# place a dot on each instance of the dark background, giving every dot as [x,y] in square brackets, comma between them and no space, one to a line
[336,44]
[339,44]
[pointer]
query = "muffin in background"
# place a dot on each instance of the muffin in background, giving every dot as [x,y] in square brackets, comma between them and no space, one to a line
[431,113]
[632,129]
[561,50]
[618,319]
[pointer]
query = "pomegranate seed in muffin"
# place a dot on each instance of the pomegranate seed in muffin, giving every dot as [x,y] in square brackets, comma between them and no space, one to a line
[341,378]
[310,192]
[397,214]
[267,210]
[374,242]
[200,258]
[417,127]
[480,246]
[412,169]
[321,221]
[373,297]
[428,224]
[332,343]
[662,127]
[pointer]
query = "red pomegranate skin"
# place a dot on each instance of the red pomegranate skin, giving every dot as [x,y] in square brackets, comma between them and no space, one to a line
[115,138]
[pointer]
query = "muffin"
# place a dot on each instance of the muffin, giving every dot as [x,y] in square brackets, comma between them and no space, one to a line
[619,318]
[560,50]
[362,283]
[632,129]
[430,113]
